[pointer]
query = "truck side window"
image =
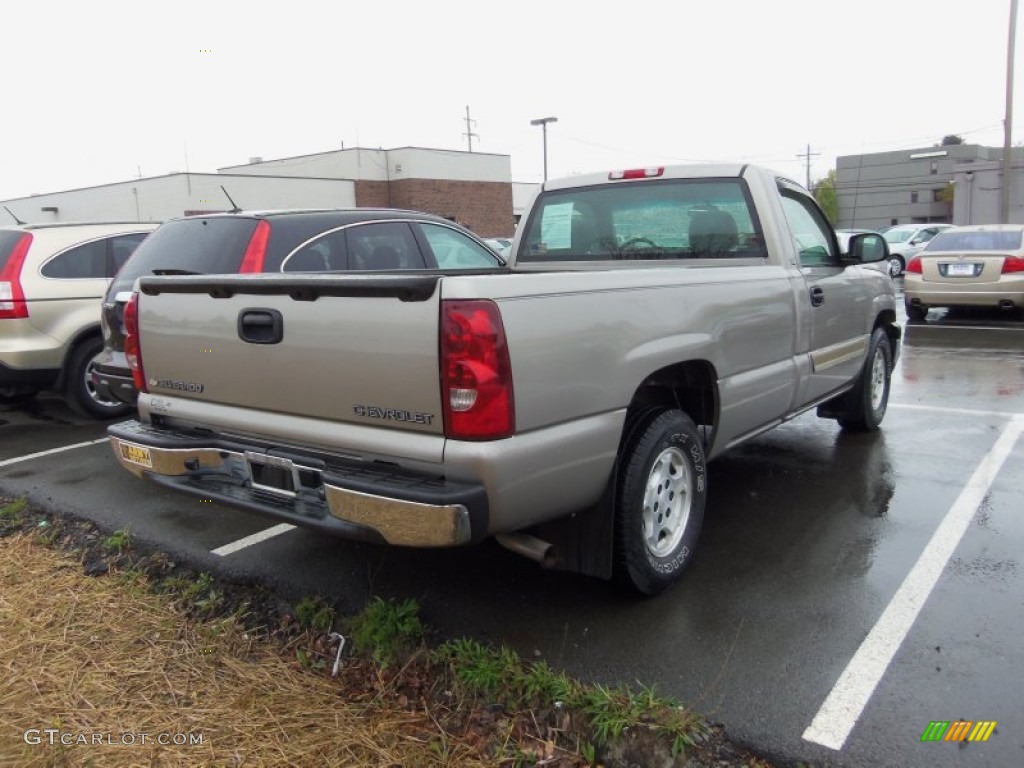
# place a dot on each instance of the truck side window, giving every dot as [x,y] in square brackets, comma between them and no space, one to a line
[383,246]
[811,232]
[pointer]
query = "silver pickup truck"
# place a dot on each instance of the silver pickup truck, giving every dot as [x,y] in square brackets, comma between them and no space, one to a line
[565,404]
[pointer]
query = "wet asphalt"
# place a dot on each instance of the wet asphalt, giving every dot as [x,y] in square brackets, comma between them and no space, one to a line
[810,534]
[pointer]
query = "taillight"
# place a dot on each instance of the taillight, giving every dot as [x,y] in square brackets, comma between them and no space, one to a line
[637,173]
[132,349]
[1013,264]
[12,296]
[476,374]
[914,265]
[252,261]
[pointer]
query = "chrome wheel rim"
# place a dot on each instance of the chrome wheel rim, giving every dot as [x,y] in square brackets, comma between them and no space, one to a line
[667,502]
[877,380]
[894,267]
[94,395]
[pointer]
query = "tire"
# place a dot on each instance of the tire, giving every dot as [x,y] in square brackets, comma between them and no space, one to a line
[915,312]
[896,265]
[867,401]
[81,394]
[659,504]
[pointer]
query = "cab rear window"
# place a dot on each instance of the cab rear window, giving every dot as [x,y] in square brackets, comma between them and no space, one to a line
[213,246]
[664,219]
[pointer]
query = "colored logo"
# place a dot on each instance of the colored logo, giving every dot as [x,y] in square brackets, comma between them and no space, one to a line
[958,730]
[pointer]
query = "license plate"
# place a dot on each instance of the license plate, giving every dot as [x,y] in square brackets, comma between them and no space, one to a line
[136,454]
[960,270]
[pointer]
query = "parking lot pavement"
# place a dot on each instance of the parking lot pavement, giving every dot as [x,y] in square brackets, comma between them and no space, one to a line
[811,537]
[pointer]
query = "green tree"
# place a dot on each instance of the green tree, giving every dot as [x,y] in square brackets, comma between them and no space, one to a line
[825,194]
[952,139]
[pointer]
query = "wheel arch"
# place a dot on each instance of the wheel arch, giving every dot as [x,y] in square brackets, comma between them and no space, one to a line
[89,333]
[691,386]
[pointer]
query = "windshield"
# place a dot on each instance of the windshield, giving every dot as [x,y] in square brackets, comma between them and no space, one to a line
[898,235]
[976,241]
[662,219]
[206,246]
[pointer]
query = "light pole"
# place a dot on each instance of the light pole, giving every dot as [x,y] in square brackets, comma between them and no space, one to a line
[543,123]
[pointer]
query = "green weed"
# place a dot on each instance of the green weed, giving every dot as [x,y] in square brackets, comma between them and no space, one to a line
[387,630]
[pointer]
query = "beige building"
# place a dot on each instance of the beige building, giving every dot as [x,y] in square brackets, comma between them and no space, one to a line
[472,188]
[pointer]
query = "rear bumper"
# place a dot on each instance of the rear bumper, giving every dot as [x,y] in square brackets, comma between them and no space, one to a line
[367,501]
[113,385]
[1009,290]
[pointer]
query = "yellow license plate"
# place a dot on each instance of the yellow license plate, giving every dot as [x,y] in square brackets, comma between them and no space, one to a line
[136,454]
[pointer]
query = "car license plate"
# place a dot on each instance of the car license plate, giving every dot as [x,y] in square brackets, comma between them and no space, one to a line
[136,454]
[960,270]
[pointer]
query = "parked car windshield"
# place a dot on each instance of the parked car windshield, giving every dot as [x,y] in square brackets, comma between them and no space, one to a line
[665,219]
[213,246]
[1001,240]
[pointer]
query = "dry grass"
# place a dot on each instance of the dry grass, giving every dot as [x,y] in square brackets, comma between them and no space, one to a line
[107,659]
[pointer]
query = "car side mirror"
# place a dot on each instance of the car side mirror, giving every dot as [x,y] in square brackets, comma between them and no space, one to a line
[867,248]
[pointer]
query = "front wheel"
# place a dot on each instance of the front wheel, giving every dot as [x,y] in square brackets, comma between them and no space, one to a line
[896,265]
[660,501]
[867,401]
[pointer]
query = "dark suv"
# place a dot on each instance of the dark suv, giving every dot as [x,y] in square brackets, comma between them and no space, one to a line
[340,240]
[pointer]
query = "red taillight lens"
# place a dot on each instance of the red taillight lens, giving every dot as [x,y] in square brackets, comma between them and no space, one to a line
[914,265]
[12,296]
[1013,264]
[476,373]
[132,349]
[252,261]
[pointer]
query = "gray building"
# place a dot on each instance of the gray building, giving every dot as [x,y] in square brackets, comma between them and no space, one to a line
[903,187]
[978,191]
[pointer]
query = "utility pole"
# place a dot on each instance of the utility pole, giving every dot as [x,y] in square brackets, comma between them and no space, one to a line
[1004,208]
[469,130]
[543,123]
[808,155]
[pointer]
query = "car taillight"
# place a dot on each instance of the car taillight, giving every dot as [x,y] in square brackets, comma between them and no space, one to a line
[1013,264]
[476,373]
[252,261]
[12,296]
[914,265]
[132,349]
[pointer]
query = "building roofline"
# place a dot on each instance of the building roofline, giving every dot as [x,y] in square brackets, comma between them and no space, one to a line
[362,149]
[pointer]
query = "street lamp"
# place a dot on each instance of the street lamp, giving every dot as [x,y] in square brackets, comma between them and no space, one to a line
[543,123]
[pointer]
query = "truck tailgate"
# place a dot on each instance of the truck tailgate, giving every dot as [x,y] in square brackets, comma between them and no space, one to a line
[278,343]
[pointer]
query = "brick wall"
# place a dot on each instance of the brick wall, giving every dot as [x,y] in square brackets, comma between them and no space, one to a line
[483,206]
[372,194]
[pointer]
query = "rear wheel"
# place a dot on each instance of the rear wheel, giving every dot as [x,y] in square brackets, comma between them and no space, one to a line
[81,392]
[660,501]
[866,403]
[896,265]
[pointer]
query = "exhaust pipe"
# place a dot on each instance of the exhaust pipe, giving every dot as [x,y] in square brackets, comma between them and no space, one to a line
[529,546]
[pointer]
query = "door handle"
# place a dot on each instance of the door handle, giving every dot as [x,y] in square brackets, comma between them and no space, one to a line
[260,326]
[817,296]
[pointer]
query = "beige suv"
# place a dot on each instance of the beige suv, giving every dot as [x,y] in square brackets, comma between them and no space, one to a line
[52,281]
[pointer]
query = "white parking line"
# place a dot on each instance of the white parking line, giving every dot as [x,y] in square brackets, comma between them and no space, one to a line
[844,705]
[19,459]
[256,538]
[961,411]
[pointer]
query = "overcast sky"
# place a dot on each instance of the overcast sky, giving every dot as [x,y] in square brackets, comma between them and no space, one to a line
[99,91]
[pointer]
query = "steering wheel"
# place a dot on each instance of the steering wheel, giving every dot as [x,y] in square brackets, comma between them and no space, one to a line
[632,242]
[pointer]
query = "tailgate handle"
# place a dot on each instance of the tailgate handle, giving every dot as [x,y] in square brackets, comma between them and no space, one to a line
[260,326]
[817,296]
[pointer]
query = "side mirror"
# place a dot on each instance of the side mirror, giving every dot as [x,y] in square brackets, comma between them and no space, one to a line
[867,248]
